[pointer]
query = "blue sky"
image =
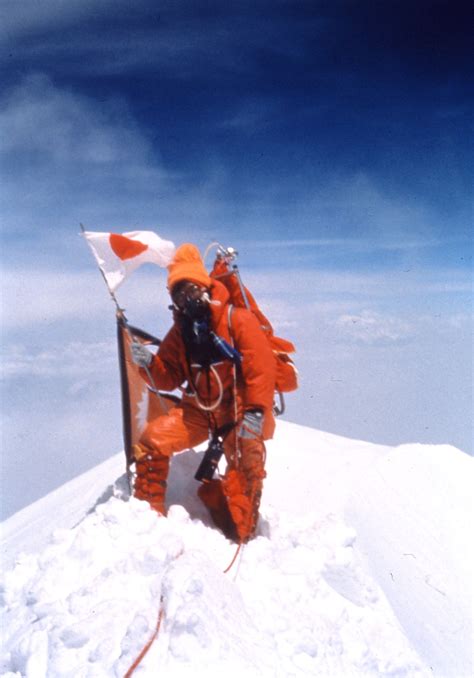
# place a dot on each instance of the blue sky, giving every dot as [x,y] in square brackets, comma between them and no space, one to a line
[330,142]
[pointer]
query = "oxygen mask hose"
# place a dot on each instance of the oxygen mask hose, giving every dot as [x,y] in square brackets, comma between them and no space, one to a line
[225,349]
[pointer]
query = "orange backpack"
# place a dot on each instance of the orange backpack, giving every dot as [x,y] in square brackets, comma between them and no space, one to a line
[228,274]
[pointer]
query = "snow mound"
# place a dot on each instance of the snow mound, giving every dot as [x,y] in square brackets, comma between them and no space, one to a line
[295,604]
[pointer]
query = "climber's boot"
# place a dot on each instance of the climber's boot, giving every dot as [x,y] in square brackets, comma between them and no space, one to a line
[152,471]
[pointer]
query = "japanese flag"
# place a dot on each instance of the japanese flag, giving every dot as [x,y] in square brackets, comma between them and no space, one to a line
[119,255]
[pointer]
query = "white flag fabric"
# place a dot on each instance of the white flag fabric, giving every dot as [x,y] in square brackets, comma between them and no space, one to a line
[118,255]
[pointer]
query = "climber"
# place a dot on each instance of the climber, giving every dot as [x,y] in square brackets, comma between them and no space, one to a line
[220,358]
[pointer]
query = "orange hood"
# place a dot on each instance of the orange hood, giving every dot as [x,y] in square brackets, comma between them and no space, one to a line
[187,265]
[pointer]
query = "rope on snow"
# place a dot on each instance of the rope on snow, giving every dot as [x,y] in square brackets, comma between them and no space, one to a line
[150,642]
[161,614]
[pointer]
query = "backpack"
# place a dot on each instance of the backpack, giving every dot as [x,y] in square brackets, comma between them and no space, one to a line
[228,274]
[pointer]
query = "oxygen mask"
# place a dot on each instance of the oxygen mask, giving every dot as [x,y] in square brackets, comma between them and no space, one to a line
[191,300]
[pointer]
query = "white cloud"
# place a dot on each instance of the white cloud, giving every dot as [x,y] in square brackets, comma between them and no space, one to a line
[357,245]
[174,37]
[35,298]
[74,359]
[27,16]
[72,159]
[66,159]
[32,298]
[39,118]
[370,327]
[357,206]
[352,290]
[252,115]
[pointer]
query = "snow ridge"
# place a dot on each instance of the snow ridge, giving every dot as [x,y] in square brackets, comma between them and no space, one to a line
[362,567]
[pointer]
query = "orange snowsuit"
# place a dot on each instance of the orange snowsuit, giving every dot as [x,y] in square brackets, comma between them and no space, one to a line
[234,499]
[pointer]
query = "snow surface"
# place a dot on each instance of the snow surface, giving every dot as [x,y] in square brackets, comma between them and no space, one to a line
[362,567]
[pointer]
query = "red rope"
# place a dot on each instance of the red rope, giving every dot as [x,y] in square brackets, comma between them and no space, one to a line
[160,619]
[149,643]
[233,559]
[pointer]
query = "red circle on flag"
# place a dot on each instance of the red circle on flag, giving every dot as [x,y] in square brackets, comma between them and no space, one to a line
[124,247]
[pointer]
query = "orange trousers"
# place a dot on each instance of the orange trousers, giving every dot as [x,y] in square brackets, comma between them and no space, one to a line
[233,500]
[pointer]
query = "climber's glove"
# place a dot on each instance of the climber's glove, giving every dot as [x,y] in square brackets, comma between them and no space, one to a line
[141,356]
[252,425]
